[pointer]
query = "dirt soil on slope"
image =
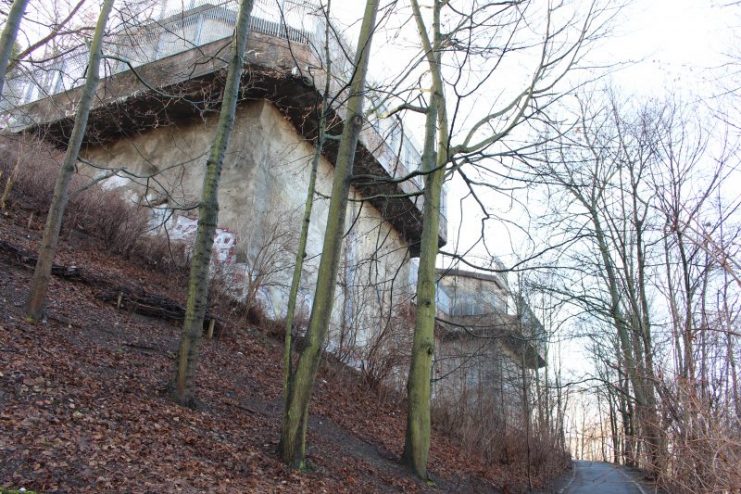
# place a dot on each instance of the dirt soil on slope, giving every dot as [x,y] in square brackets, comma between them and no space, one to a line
[84,407]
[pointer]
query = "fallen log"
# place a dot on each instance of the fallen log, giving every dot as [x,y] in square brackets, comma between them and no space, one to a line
[131,298]
[26,259]
[147,304]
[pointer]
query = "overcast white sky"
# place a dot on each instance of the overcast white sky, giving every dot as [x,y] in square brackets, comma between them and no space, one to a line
[668,47]
[666,38]
[674,43]
[664,47]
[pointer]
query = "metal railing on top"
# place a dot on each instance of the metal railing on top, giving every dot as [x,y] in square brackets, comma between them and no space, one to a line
[196,23]
[202,23]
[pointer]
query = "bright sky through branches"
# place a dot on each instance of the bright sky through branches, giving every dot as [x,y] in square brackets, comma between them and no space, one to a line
[674,43]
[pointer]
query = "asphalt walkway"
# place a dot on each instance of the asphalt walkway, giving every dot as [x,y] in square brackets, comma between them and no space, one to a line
[592,477]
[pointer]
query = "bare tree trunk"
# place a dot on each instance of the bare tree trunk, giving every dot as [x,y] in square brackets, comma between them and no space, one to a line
[208,216]
[526,417]
[417,441]
[630,442]
[731,356]
[7,39]
[601,429]
[300,255]
[560,426]
[9,185]
[48,246]
[614,428]
[292,445]
[417,444]
[305,224]
[638,362]
[583,432]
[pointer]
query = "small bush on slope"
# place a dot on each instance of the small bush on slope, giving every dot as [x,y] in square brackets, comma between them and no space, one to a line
[29,168]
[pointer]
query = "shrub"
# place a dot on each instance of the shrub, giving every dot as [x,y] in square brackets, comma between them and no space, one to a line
[479,426]
[33,165]
[117,223]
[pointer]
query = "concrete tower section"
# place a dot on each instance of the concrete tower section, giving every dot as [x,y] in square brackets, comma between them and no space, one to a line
[151,128]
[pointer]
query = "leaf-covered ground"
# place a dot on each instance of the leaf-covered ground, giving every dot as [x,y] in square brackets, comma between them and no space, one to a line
[84,407]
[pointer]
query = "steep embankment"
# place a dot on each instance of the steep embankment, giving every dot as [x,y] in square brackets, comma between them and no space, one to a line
[84,407]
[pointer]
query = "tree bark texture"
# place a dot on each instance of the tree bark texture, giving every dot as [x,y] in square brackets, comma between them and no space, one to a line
[48,246]
[292,445]
[627,326]
[417,440]
[300,255]
[7,39]
[208,216]
[304,235]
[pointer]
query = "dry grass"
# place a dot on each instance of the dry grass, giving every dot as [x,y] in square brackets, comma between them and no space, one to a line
[479,428]
[112,220]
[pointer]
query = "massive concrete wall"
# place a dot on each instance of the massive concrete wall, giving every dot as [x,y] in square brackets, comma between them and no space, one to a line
[484,361]
[481,376]
[474,294]
[262,193]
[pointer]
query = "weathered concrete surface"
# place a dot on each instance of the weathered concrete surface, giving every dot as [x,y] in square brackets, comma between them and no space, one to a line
[185,88]
[473,293]
[484,361]
[477,311]
[262,193]
[592,477]
[482,374]
[158,121]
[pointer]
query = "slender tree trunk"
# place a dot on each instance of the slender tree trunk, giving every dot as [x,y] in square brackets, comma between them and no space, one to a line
[292,445]
[301,254]
[614,428]
[526,417]
[603,445]
[560,426]
[48,246]
[643,326]
[417,443]
[632,346]
[583,432]
[305,224]
[417,440]
[630,443]
[208,216]
[547,425]
[9,185]
[539,403]
[7,39]
[676,324]
[731,367]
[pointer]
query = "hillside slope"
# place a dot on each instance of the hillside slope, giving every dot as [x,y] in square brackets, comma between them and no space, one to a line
[84,407]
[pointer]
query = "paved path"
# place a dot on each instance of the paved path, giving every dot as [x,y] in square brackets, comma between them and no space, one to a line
[592,477]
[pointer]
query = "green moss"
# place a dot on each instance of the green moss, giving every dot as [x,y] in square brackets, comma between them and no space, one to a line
[304,467]
[4,490]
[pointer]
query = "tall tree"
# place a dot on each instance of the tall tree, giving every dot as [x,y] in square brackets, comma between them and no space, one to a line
[208,215]
[607,185]
[7,39]
[292,445]
[638,191]
[470,39]
[417,440]
[303,237]
[48,246]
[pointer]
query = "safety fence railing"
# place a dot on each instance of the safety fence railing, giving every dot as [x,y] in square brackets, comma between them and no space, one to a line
[195,23]
[134,46]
